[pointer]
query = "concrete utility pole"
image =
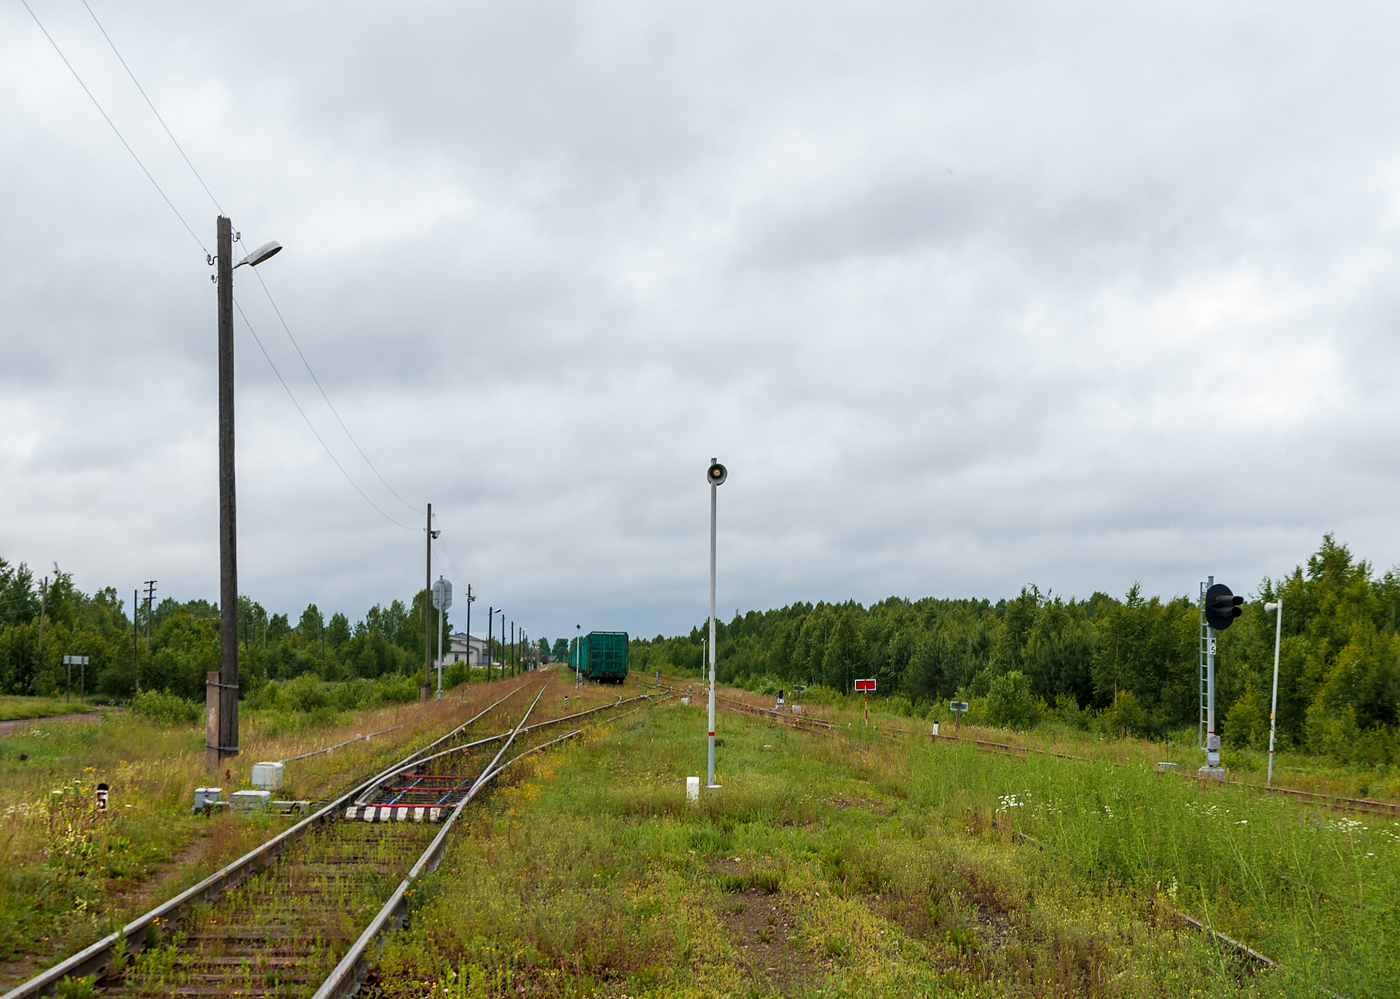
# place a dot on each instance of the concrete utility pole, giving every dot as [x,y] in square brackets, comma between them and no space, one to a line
[221,731]
[43,606]
[512,648]
[490,623]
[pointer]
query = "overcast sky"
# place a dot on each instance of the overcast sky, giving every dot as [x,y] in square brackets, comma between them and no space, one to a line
[966,296]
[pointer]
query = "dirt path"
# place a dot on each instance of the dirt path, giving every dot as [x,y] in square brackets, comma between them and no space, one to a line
[91,717]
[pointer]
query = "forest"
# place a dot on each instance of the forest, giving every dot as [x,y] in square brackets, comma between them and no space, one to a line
[1126,665]
[172,648]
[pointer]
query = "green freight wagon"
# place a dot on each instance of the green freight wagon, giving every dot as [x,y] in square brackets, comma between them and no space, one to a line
[601,656]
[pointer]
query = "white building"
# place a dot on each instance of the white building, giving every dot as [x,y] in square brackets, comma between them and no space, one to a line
[466,648]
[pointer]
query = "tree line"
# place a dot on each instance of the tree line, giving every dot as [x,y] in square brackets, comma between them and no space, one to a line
[39,625]
[1128,664]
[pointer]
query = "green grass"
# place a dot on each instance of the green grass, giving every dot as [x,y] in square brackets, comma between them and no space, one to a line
[72,874]
[12,707]
[853,866]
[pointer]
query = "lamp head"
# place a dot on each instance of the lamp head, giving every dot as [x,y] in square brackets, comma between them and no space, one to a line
[1271,606]
[269,249]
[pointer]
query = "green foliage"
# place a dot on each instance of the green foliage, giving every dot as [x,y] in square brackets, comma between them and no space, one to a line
[167,708]
[1009,701]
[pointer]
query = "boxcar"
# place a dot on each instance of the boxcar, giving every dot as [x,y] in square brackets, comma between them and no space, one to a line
[601,656]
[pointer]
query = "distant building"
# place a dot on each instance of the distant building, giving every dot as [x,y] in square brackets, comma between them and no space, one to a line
[466,648]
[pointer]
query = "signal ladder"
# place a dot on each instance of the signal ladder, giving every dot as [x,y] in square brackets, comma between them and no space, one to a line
[1204,672]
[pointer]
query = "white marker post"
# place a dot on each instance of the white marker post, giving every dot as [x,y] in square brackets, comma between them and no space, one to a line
[866,686]
[1276,606]
[716,474]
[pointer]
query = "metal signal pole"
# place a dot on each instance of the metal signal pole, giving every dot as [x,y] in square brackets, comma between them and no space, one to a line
[716,476]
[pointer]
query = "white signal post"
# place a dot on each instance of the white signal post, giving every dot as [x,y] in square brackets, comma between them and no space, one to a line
[1275,607]
[716,474]
[866,686]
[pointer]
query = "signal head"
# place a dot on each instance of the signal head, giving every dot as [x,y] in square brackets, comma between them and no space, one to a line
[717,474]
[1222,607]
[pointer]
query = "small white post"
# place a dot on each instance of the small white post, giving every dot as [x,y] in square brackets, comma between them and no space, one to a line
[692,789]
[1276,606]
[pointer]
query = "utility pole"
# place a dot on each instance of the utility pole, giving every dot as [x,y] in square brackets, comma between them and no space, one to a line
[135,649]
[150,608]
[490,623]
[428,615]
[513,649]
[470,598]
[43,606]
[224,729]
[221,695]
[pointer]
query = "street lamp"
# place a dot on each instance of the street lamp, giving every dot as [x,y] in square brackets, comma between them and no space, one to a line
[221,695]
[715,475]
[1275,606]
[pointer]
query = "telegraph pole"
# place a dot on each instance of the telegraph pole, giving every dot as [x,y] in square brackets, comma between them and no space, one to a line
[225,727]
[427,614]
[490,623]
[135,649]
[470,598]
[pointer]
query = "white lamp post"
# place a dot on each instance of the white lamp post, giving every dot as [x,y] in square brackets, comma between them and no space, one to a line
[716,474]
[1276,607]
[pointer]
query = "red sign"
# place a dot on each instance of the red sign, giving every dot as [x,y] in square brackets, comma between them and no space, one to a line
[865,685]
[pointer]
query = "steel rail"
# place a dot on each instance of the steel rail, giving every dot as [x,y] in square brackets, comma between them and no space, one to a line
[94,958]
[345,979]
[544,724]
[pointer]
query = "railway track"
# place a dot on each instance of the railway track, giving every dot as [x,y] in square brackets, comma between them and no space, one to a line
[301,913]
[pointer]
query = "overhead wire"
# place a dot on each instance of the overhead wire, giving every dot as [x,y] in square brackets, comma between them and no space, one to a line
[153,108]
[212,197]
[310,425]
[121,138]
[267,291]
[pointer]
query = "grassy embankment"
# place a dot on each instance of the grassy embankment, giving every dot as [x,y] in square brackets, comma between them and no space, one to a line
[1291,769]
[855,866]
[72,874]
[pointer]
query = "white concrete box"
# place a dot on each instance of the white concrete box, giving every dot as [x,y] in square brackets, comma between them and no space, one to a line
[250,801]
[267,776]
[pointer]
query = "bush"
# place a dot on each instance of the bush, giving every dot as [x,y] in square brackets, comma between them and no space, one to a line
[1126,717]
[1009,701]
[167,708]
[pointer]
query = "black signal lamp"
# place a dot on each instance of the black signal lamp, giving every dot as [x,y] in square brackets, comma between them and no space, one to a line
[1222,607]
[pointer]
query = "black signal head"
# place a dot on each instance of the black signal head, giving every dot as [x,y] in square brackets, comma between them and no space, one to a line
[1222,607]
[717,474]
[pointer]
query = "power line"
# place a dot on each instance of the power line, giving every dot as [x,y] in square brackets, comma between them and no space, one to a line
[310,424]
[109,121]
[304,361]
[461,576]
[267,291]
[153,108]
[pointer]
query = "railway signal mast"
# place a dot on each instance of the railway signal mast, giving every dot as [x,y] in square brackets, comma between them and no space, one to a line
[716,474]
[1219,608]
